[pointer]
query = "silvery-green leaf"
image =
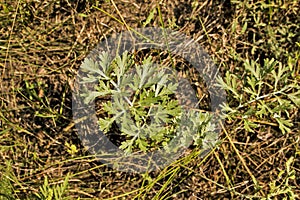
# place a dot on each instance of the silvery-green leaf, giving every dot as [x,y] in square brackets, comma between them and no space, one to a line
[93,94]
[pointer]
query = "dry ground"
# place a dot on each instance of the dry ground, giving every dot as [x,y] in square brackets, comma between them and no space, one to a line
[42,44]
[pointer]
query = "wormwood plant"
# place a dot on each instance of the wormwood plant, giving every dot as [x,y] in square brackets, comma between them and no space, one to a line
[264,94]
[143,104]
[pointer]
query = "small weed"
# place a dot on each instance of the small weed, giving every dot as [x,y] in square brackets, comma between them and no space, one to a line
[49,191]
[280,188]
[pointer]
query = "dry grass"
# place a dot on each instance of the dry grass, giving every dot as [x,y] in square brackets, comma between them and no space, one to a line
[42,44]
